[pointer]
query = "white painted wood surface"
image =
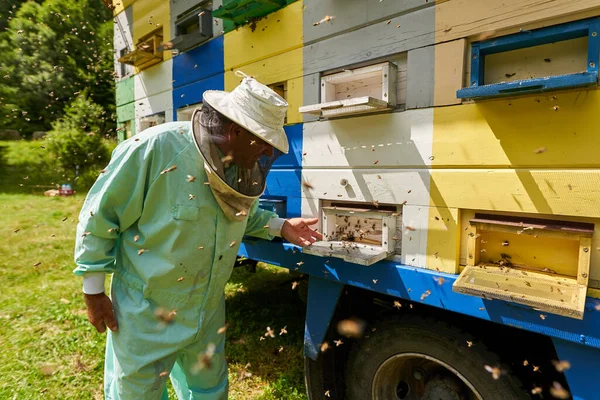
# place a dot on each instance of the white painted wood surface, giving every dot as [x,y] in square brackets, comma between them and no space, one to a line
[420,77]
[154,80]
[402,139]
[122,40]
[414,235]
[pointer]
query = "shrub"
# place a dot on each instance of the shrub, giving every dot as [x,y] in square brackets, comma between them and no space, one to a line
[76,140]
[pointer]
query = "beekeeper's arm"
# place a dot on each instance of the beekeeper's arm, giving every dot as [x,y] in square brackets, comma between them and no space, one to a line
[266,225]
[112,205]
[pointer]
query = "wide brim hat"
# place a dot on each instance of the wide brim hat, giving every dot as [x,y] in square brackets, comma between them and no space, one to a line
[255,107]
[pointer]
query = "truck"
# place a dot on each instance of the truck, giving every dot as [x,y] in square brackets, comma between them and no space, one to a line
[451,151]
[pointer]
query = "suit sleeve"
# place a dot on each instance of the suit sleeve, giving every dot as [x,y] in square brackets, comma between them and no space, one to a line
[263,224]
[113,204]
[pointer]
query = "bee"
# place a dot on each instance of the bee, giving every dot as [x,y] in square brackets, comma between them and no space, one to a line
[141,251]
[536,390]
[398,26]
[559,392]
[525,363]
[191,178]
[375,162]
[171,168]
[375,281]
[326,18]
[561,366]
[300,263]
[64,219]
[327,393]
[283,331]
[163,374]
[111,230]
[536,368]
[540,150]
[338,342]
[241,213]
[270,332]
[17,230]
[307,185]
[389,21]
[37,264]
[136,238]
[85,234]
[205,359]
[324,346]
[555,108]
[397,304]
[495,371]
[232,244]
[425,294]
[165,316]
[227,160]
[469,343]
[353,328]
[505,243]
[375,203]
[439,280]
[280,349]
[222,329]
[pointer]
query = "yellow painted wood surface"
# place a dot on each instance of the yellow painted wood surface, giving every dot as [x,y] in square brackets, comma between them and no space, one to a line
[275,34]
[583,265]
[559,129]
[558,191]
[286,67]
[472,254]
[559,255]
[120,5]
[449,71]
[443,243]
[149,15]
[465,18]
[594,254]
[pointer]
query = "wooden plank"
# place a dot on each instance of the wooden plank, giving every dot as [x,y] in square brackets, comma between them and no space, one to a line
[276,33]
[472,246]
[565,192]
[465,18]
[154,104]
[310,95]
[401,139]
[449,71]
[519,223]
[415,221]
[192,93]
[386,186]
[124,91]
[371,42]
[286,67]
[126,112]
[154,80]
[554,130]
[419,89]
[199,63]
[443,244]
[350,15]
[149,15]
[583,265]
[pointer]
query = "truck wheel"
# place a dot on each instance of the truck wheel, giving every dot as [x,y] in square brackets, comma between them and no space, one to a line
[322,376]
[416,358]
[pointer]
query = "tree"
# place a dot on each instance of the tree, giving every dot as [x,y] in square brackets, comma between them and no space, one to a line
[51,52]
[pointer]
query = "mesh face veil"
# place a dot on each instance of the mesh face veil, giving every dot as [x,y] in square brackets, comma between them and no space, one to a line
[209,128]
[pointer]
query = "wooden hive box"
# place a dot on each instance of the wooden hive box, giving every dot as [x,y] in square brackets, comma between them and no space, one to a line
[540,263]
[356,235]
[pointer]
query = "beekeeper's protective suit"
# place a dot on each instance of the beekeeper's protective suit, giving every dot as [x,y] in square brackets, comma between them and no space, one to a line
[167,217]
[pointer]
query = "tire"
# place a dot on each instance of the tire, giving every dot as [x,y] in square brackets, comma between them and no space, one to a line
[325,375]
[397,350]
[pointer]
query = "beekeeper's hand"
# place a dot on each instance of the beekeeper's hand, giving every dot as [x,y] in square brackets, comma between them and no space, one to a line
[100,312]
[298,231]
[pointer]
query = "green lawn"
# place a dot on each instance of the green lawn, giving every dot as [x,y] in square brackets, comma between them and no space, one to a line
[48,347]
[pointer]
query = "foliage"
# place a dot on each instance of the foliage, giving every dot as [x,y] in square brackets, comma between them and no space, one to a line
[75,140]
[51,52]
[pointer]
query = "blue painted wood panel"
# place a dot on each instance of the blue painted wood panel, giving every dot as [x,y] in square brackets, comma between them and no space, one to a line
[286,184]
[199,64]
[192,93]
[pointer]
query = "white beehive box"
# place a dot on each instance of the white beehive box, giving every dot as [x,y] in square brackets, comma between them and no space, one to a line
[357,91]
[356,235]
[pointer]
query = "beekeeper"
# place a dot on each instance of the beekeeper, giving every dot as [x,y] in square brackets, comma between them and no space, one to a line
[166,218]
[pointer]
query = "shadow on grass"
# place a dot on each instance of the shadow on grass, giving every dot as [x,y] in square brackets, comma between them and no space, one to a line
[256,302]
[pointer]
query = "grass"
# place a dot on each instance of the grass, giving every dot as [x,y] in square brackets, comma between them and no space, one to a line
[48,347]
